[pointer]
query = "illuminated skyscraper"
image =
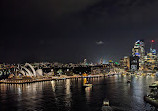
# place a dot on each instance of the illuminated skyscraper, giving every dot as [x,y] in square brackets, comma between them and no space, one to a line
[151,58]
[138,50]
[125,62]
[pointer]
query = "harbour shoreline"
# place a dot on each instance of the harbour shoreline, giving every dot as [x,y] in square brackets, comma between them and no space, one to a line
[33,80]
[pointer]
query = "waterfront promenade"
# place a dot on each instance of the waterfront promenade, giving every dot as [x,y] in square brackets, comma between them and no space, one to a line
[50,78]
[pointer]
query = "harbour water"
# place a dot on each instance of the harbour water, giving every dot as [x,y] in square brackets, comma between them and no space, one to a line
[69,95]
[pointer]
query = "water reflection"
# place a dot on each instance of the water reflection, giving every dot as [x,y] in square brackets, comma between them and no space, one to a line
[68,95]
[53,85]
[88,93]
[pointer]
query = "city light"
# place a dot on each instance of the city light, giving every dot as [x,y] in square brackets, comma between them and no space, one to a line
[152,41]
[79,55]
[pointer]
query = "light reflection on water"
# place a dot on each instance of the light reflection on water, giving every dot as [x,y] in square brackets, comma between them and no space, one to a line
[88,93]
[68,95]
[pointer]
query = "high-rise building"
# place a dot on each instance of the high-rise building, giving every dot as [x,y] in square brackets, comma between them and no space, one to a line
[151,59]
[138,50]
[134,63]
[125,62]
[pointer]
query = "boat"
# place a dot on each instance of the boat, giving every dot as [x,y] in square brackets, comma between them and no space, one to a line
[87,85]
[106,106]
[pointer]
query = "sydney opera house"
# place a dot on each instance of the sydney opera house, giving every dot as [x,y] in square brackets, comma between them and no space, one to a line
[22,72]
[29,70]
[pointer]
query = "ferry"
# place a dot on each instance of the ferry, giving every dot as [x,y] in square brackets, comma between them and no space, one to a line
[86,83]
[106,106]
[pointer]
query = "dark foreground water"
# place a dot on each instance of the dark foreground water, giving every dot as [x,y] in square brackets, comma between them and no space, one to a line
[69,95]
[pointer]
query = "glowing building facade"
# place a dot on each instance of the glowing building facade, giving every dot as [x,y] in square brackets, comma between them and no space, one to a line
[125,62]
[138,50]
[151,59]
[146,62]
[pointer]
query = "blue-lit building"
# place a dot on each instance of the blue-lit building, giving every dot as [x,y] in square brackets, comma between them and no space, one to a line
[139,51]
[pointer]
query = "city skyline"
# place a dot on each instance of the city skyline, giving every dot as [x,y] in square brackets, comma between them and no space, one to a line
[147,47]
[79,55]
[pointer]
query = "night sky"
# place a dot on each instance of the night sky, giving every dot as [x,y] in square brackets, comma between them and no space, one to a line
[71,30]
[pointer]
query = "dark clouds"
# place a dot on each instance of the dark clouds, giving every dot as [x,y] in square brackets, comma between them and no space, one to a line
[59,30]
